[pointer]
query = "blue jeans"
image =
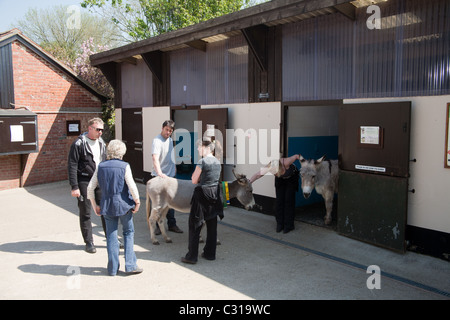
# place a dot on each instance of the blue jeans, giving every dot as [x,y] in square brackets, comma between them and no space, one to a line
[112,243]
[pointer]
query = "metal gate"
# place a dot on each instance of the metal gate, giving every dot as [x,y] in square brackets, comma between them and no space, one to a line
[373,181]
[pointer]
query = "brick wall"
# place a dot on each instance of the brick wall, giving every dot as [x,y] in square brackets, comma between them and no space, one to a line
[51,93]
[9,174]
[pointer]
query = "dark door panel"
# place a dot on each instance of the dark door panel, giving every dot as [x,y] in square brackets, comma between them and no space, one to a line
[132,136]
[374,144]
[372,208]
[218,118]
[374,138]
[18,135]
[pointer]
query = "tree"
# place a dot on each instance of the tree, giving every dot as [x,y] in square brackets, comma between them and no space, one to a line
[95,77]
[142,19]
[50,28]
[87,72]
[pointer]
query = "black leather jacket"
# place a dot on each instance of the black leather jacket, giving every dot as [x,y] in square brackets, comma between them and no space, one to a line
[81,165]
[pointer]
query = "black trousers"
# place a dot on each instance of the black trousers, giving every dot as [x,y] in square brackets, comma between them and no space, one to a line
[285,204]
[85,209]
[209,251]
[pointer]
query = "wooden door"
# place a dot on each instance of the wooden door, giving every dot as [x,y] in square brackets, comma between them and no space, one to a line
[217,119]
[374,144]
[132,136]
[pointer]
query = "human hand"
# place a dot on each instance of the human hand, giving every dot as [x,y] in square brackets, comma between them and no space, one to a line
[75,193]
[97,210]
[136,207]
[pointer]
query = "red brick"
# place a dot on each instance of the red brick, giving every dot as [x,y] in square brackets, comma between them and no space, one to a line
[44,88]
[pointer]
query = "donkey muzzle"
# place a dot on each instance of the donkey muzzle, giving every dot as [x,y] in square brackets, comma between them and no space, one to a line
[306,195]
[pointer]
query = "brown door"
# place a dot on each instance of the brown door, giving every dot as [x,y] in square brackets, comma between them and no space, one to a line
[374,144]
[374,138]
[132,137]
[217,119]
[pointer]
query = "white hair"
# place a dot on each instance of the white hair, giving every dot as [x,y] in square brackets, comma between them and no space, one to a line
[115,150]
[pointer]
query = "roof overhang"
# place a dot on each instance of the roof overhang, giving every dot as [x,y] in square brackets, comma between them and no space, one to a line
[271,13]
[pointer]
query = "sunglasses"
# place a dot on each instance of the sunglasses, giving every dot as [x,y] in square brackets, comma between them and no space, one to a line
[98,129]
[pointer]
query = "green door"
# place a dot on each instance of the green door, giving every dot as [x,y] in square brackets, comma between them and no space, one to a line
[374,170]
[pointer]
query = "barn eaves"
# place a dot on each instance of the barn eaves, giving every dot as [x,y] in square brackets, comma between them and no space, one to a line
[264,15]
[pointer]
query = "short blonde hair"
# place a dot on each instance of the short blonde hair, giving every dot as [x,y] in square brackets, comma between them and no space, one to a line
[95,120]
[115,150]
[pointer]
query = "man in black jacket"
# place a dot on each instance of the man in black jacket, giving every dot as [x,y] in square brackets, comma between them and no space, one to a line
[85,154]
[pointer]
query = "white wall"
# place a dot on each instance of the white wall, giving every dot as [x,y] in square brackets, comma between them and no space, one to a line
[251,117]
[152,120]
[429,206]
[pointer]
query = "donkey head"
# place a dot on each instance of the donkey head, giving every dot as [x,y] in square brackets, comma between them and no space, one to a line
[243,190]
[308,174]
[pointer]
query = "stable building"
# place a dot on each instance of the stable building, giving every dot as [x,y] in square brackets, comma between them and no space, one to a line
[44,107]
[365,82]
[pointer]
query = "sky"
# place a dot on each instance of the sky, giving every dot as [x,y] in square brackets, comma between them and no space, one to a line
[13,10]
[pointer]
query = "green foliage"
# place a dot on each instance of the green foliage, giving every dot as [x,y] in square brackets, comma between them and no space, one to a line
[49,28]
[142,19]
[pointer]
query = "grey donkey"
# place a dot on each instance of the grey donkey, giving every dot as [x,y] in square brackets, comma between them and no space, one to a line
[323,175]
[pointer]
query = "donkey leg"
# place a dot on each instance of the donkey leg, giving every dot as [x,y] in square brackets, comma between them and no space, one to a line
[152,223]
[329,206]
[162,226]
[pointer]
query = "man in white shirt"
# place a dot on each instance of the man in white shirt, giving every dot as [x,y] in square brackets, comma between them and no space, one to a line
[163,157]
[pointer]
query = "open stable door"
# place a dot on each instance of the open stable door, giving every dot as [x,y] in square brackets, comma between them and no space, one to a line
[214,124]
[214,121]
[374,144]
[132,137]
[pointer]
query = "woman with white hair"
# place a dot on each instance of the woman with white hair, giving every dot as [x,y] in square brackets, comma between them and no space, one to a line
[120,200]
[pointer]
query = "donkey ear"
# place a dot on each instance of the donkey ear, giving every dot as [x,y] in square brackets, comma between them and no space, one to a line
[301,158]
[320,160]
[240,177]
[242,181]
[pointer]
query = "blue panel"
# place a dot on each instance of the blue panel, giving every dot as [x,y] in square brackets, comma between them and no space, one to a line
[185,170]
[314,147]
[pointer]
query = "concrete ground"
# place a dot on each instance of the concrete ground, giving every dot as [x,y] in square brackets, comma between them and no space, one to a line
[42,257]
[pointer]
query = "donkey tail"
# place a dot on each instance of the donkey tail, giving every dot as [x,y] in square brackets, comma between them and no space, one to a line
[148,207]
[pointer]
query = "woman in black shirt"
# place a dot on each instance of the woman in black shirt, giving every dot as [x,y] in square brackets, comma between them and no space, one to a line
[206,204]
